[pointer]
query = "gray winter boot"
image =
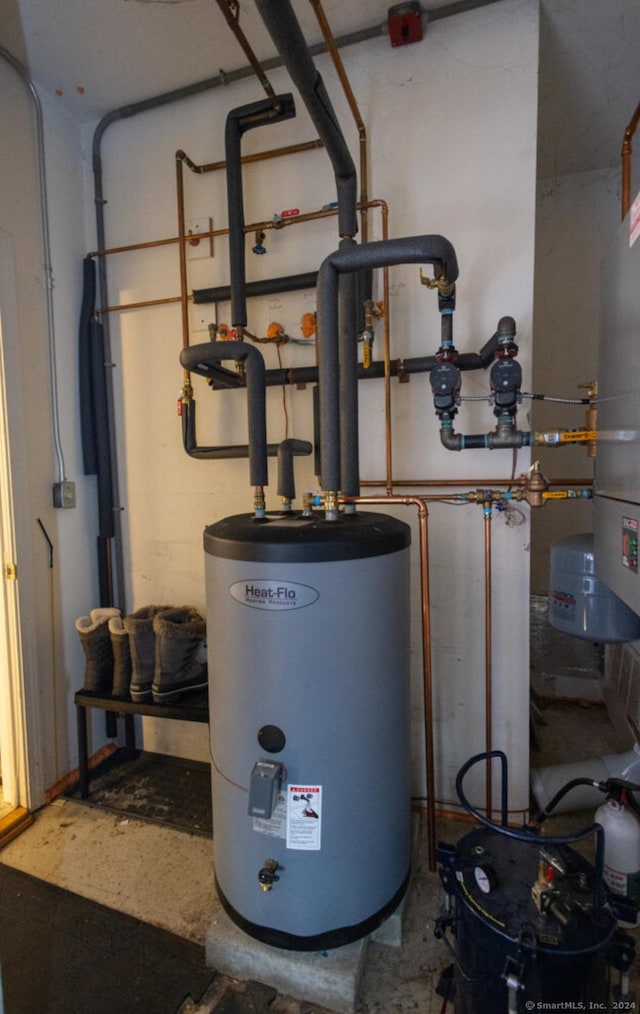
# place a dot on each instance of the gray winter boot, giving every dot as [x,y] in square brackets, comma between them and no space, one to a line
[142,641]
[121,658]
[93,631]
[181,653]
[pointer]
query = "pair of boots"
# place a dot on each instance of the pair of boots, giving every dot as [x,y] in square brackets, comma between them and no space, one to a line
[158,652]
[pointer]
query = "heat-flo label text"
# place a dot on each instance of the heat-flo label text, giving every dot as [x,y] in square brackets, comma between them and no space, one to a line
[273,595]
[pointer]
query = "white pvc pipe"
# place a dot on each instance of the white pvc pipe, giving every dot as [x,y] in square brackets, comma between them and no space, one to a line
[545,782]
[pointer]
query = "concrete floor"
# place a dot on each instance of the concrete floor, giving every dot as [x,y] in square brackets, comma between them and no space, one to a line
[163,877]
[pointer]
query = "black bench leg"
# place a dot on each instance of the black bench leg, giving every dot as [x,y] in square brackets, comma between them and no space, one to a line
[130,733]
[83,754]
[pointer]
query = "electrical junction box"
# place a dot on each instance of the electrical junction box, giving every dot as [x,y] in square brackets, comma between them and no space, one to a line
[266,779]
[405,23]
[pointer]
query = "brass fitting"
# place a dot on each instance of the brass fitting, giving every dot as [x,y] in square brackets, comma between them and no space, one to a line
[259,502]
[267,875]
[367,345]
[444,287]
[537,484]
[591,417]
[331,505]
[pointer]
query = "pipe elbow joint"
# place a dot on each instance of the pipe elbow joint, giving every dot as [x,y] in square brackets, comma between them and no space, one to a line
[452,441]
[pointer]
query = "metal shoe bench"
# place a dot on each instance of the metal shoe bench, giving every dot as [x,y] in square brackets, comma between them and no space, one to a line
[192,708]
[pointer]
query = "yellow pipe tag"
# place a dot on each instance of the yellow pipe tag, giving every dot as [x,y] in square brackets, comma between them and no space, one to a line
[577,436]
[559,494]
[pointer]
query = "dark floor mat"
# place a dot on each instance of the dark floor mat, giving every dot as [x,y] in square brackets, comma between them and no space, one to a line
[62,954]
[164,789]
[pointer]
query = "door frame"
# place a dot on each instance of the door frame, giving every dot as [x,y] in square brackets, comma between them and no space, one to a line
[19,703]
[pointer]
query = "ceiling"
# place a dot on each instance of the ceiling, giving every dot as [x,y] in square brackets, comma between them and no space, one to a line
[95,57]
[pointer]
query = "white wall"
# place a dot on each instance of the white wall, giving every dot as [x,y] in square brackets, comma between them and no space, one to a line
[452,130]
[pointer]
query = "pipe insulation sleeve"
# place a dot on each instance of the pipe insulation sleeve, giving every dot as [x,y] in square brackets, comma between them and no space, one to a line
[198,358]
[101,432]
[348,338]
[87,402]
[261,287]
[286,451]
[281,23]
[429,249]
[239,121]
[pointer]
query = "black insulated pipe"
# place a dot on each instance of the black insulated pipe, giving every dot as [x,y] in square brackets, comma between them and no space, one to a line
[85,383]
[282,25]
[221,452]
[221,379]
[287,449]
[434,250]
[262,287]
[203,359]
[348,337]
[239,120]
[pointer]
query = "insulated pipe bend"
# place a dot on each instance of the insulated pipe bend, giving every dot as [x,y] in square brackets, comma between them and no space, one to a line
[239,121]
[429,249]
[201,358]
[281,23]
[286,451]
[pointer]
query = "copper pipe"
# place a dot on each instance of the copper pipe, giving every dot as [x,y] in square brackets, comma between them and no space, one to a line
[626,160]
[386,346]
[294,220]
[253,227]
[258,156]
[427,670]
[231,11]
[444,483]
[488,664]
[353,106]
[143,304]
[182,251]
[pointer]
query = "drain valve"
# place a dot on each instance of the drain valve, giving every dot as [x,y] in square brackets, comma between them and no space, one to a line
[267,875]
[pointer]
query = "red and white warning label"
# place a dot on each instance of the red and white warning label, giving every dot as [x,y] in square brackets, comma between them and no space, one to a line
[304,817]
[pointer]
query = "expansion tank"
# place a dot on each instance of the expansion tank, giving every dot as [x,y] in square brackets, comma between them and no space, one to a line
[308,634]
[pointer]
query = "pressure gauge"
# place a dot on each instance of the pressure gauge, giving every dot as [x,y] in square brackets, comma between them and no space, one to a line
[485,877]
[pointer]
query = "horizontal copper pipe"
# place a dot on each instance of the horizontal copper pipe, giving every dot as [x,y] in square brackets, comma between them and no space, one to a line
[444,483]
[254,227]
[172,240]
[260,156]
[142,304]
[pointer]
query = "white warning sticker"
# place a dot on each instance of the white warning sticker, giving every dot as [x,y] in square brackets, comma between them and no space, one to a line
[304,817]
[276,826]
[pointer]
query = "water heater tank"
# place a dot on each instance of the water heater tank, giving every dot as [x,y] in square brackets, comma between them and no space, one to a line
[308,634]
[581,604]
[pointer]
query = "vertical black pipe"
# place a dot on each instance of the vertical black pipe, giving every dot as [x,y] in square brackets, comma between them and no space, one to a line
[287,449]
[212,353]
[282,25]
[87,405]
[434,250]
[239,120]
[348,338]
